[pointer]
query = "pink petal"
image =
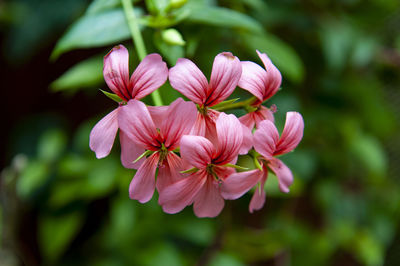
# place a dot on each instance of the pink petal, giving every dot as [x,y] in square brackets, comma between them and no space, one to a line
[208,202]
[199,127]
[179,121]
[283,173]
[273,79]
[169,171]
[196,150]
[143,183]
[150,74]
[248,120]
[263,113]
[258,199]
[158,114]
[225,76]
[238,184]
[103,134]
[116,72]
[130,151]
[180,194]
[253,79]
[223,172]
[135,120]
[230,138]
[247,143]
[292,133]
[265,139]
[187,78]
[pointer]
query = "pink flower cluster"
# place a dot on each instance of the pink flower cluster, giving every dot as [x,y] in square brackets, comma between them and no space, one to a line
[194,146]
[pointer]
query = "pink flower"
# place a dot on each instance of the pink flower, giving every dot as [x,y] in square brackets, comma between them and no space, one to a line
[150,74]
[268,144]
[188,79]
[203,186]
[160,135]
[261,83]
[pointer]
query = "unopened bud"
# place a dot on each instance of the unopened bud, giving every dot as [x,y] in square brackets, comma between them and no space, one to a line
[172,37]
[177,3]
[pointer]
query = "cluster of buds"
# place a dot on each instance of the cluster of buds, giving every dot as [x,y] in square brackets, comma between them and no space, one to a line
[194,144]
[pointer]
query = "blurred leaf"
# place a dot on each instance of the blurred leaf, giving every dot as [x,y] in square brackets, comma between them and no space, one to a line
[98,6]
[368,249]
[95,30]
[281,54]
[57,232]
[222,17]
[51,145]
[86,74]
[160,255]
[32,178]
[371,154]
[222,259]
[337,39]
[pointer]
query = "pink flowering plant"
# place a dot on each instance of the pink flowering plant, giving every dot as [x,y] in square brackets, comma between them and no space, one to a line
[188,150]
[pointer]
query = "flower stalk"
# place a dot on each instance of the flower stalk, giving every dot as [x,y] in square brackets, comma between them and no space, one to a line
[138,41]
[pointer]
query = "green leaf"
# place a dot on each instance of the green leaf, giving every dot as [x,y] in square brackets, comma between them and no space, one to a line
[51,145]
[95,30]
[112,96]
[86,74]
[280,53]
[222,17]
[98,6]
[56,233]
[32,178]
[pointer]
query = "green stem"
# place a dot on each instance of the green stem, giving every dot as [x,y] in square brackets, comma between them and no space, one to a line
[138,40]
[237,105]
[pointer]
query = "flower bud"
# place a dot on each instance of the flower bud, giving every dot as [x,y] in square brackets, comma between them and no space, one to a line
[172,37]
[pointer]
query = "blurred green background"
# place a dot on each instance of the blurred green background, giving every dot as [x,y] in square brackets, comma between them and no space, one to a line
[340,61]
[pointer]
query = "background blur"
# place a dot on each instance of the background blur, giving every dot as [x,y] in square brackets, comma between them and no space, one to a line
[340,61]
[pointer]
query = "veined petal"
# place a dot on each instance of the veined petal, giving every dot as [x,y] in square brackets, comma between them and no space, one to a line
[292,133]
[187,78]
[238,184]
[263,113]
[169,171]
[179,121]
[199,127]
[225,75]
[143,183]
[158,114]
[208,201]
[196,150]
[180,194]
[265,139]
[103,134]
[283,173]
[253,79]
[273,79]
[258,199]
[230,138]
[248,120]
[116,71]
[247,143]
[135,120]
[150,74]
[130,151]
